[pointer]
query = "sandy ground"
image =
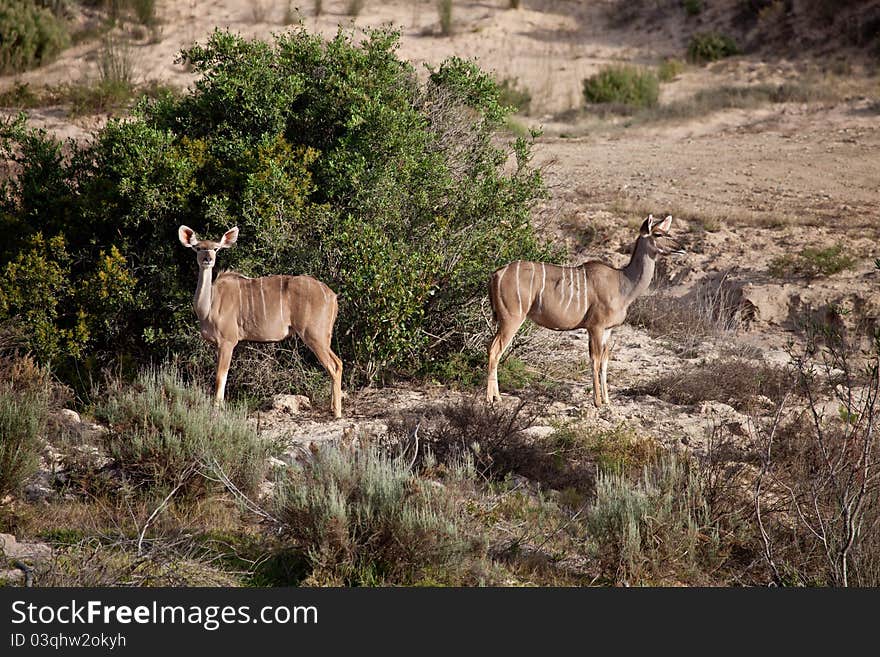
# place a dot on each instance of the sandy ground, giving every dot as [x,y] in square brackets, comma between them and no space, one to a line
[764,182]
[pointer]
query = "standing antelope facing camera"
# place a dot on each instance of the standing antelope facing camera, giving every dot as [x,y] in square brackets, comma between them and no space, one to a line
[594,296]
[265,309]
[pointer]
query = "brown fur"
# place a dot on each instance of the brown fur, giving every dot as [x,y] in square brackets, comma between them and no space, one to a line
[236,308]
[594,296]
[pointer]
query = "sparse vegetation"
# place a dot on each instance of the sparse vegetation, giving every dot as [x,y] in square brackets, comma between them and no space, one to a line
[657,528]
[497,442]
[711,311]
[812,262]
[670,69]
[692,7]
[630,86]
[711,46]
[166,435]
[743,384]
[25,394]
[354,7]
[511,94]
[364,518]
[444,12]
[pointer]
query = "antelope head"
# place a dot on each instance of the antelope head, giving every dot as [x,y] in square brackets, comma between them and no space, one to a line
[655,233]
[206,250]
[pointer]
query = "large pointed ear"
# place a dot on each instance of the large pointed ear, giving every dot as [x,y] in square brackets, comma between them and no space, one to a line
[229,238]
[664,225]
[187,236]
[647,224]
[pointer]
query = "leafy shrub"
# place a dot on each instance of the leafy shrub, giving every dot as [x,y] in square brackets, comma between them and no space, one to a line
[365,519]
[165,434]
[622,84]
[710,46]
[812,262]
[30,36]
[292,141]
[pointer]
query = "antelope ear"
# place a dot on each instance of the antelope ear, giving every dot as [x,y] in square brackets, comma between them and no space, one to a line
[666,224]
[187,236]
[229,238]
[647,224]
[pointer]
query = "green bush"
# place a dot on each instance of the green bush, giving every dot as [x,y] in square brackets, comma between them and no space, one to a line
[364,519]
[692,7]
[331,157]
[165,433]
[812,262]
[30,36]
[622,84]
[710,46]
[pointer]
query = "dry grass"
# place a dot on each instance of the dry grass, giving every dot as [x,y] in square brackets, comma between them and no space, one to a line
[745,385]
[709,312]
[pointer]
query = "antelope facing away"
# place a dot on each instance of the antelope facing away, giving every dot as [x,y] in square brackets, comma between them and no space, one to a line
[265,309]
[594,296]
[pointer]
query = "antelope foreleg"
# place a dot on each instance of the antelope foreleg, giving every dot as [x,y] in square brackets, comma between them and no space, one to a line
[224,358]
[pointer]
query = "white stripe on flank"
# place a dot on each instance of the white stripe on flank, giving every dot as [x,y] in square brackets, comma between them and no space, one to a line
[577,293]
[281,300]
[263,299]
[586,302]
[531,280]
[570,288]
[518,292]
[541,291]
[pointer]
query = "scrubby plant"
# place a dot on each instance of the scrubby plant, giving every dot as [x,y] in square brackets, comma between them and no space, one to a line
[364,518]
[812,262]
[669,69]
[444,12]
[655,528]
[624,85]
[30,36]
[710,46]
[291,141]
[498,443]
[25,396]
[515,96]
[743,384]
[692,7]
[166,435]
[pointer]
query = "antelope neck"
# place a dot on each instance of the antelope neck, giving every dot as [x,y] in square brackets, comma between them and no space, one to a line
[202,299]
[638,273]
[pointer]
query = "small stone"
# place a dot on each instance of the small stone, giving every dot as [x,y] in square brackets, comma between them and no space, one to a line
[12,577]
[293,404]
[33,553]
[69,417]
[538,432]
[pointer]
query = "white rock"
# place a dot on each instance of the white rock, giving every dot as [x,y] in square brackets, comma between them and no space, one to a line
[69,416]
[538,432]
[293,404]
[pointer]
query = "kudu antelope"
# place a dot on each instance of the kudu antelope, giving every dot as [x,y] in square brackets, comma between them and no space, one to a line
[594,296]
[265,309]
